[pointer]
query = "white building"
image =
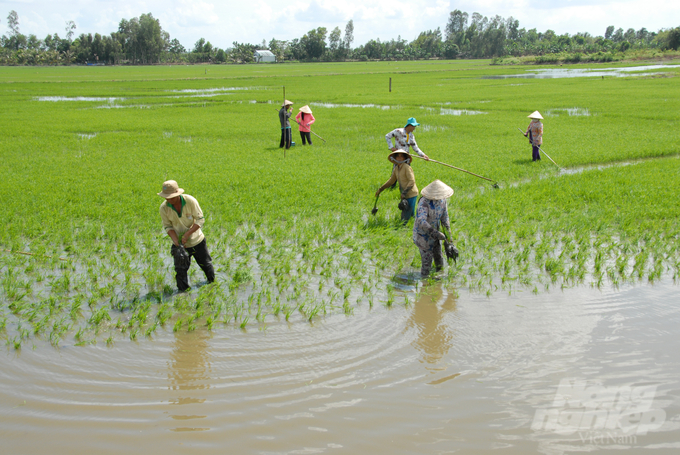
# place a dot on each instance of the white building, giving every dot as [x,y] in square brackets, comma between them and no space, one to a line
[264,56]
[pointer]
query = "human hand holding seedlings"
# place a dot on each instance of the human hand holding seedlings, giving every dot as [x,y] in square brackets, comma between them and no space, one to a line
[173,236]
[188,233]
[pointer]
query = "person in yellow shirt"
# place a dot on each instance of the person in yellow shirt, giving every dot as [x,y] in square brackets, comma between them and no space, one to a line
[182,220]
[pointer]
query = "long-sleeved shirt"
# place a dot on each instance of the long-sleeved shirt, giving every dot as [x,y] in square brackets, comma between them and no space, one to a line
[428,217]
[284,117]
[403,173]
[181,222]
[306,123]
[536,130]
[402,141]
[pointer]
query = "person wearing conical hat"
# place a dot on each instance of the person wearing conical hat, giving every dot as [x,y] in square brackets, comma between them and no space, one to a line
[535,133]
[432,212]
[404,138]
[284,118]
[183,219]
[402,173]
[305,120]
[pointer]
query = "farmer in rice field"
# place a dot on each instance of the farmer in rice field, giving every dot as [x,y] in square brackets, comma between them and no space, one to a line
[402,173]
[182,220]
[535,133]
[305,120]
[284,118]
[432,213]
[403,138]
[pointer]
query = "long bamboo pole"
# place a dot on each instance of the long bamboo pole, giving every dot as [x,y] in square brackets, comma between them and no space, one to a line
[561,168]
[495,184]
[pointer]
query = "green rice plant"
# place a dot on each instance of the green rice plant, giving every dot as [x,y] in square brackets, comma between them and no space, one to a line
[177,326]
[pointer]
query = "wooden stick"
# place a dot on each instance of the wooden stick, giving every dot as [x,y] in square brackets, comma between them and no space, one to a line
[561,168]
[33,254]
[454,167]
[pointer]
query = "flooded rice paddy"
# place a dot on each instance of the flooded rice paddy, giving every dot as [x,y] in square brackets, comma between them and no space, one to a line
[445,374]
[559,73]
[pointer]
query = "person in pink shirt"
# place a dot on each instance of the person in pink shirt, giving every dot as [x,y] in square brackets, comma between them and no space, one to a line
[305,120]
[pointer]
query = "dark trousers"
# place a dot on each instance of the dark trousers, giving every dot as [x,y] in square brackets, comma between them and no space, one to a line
[427,256]
[535,153]
[306,136]
[204,261]
[286,138]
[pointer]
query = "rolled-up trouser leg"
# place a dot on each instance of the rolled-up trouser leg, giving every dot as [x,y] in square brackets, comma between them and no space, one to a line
[181,270]
[203,259]
[425,262]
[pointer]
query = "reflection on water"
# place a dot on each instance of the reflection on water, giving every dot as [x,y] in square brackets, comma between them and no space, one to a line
[189,367]
[427,319]
[363,106]
[557,73]
[466,374]
[571,111]
[459,112]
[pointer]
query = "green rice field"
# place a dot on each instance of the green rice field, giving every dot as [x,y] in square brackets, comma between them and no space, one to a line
[85,150]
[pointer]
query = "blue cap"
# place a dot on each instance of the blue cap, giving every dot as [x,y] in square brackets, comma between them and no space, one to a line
[412,121]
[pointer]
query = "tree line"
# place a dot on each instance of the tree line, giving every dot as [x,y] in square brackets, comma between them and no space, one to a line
[142,40]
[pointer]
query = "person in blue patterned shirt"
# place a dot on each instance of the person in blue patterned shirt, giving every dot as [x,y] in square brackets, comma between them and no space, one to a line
[432,212]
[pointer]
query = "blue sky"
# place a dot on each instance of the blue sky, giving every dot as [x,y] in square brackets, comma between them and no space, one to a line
[222,22]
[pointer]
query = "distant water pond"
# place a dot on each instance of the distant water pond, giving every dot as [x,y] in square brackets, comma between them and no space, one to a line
[556,73]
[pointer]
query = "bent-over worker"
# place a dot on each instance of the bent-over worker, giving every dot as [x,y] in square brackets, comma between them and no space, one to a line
[402,173]
[432,212]
[403,138]
[182,220]
[535,134]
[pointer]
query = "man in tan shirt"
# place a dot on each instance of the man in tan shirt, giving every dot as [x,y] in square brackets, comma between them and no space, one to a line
[182,220]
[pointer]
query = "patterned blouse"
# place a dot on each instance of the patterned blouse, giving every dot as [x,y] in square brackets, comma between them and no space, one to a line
[402,140]
[426,227]
[536,130]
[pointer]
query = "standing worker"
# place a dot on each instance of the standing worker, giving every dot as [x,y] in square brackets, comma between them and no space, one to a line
[402,173]
[284,118]
[535,134]
[182,216]
[403,138]
[431,213]
[305,120]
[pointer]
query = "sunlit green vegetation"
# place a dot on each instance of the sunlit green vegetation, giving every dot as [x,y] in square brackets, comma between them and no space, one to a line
[292,238]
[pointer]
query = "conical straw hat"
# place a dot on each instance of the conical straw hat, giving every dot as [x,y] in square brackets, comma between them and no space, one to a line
[287,103]
[394,155]
[306,109]
[536,115]
[437,190]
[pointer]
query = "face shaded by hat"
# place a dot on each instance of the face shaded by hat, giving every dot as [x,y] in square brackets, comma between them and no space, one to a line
[170,189]
[287,103]
[437,190]
[306,109]
[535,115]
[392,157]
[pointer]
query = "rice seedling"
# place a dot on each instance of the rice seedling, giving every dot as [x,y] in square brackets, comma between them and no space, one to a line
[600,222]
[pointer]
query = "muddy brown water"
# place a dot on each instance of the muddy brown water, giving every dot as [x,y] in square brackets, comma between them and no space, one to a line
[465,374]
